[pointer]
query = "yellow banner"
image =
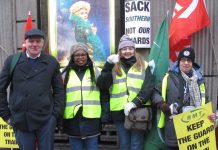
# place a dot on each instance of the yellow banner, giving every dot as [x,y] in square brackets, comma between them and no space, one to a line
[7,136]
[194,130]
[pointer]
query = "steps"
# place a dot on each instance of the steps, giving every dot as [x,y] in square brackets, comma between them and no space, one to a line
[108,139]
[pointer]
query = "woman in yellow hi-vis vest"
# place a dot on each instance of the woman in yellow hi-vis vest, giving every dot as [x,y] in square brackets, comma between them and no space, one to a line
[129,79]
[83,109]
[182,89]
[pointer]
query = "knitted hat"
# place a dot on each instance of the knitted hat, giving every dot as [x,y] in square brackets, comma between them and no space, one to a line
[125,41]
[78,46]
[187,53]
[34,33]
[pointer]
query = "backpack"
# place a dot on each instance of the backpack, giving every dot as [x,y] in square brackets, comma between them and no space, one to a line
[14,61]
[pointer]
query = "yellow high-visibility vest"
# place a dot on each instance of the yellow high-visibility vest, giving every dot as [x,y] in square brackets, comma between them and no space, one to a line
[161,122]
[82,94]
[126,87]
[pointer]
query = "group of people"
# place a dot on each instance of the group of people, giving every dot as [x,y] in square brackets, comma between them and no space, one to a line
[83,96]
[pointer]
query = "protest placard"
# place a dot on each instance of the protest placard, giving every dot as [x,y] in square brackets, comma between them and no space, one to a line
[138,22]
[7,136]
[194,130]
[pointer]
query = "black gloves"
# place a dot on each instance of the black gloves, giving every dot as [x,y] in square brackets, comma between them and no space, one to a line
[164,107]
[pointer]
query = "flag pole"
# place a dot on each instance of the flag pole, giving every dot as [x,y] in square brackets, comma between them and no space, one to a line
[28,26]
[213,49]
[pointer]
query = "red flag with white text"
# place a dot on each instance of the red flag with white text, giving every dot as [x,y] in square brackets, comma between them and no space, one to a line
[28,26]
[189,16]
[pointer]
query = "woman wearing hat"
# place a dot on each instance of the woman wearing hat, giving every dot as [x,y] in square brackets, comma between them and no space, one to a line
[83,110]
[185,90]
[130,81]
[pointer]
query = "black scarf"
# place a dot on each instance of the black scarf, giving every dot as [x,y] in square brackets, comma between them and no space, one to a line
[127,63]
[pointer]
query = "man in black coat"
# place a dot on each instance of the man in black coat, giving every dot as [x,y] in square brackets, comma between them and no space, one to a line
[36,97]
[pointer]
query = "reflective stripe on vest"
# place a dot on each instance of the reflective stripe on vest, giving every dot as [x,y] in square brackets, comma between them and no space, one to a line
[161,122]
[126,87]
[82,94]
[203,93]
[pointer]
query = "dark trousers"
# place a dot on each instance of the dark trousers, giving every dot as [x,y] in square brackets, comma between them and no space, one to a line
[172,148]
[216,133]
[81,144]
[43,138]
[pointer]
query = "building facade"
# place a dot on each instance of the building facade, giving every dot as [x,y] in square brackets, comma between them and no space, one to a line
[13,15]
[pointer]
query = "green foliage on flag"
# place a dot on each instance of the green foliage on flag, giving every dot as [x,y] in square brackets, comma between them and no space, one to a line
[159,54]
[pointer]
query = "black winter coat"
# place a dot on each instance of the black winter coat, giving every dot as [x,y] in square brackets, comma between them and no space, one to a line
[36,92]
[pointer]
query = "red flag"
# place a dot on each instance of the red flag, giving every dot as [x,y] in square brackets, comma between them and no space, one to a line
[189,16]
[28,26]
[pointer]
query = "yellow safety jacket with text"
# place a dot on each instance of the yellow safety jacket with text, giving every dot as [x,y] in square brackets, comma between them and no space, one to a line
[126,87]
[202,87]
[82,94]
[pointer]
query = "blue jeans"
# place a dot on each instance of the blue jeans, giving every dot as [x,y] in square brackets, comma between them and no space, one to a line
[44,137]
[129,139]
[81,144]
